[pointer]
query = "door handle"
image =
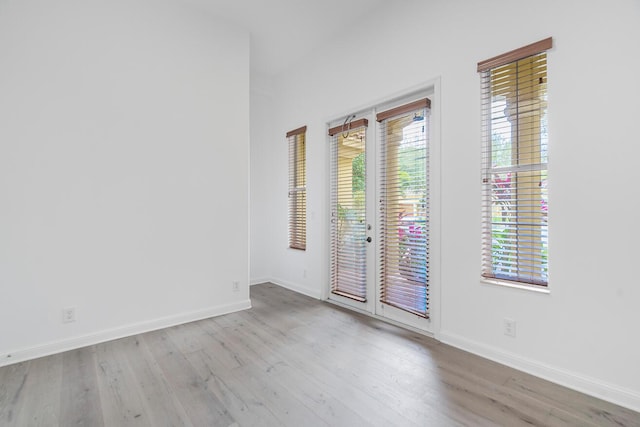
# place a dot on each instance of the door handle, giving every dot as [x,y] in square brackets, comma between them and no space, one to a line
[369,239]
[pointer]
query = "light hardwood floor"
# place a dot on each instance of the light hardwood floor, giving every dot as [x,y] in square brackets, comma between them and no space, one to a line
[290,360]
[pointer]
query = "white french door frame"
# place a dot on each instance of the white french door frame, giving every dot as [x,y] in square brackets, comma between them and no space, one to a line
[372,306]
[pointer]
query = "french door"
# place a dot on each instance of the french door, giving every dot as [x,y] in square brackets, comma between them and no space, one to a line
[352,214]
[380,212]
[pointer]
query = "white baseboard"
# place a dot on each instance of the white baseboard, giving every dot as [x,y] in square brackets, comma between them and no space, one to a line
[591,386]
[297,288]
[253,282]
[72,343]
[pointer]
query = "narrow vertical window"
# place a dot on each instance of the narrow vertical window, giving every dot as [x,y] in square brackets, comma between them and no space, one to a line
[514,165]
[297,188]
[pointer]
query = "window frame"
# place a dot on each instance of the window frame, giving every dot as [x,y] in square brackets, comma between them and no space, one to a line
[535,280]
[297,189]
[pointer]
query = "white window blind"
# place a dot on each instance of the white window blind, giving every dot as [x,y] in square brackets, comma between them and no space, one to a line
[404,207]
[514,165]
[297,188]
[348,210]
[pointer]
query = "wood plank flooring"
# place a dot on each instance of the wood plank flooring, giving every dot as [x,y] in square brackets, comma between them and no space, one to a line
[288,361]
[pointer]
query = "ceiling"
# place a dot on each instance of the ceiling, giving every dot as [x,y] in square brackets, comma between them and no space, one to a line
[283,31]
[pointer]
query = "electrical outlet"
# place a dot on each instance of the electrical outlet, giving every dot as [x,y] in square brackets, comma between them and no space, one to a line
[236,286]
[509,327]
[68,315]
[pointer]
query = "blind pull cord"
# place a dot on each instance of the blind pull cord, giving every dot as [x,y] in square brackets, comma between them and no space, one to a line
[349,119]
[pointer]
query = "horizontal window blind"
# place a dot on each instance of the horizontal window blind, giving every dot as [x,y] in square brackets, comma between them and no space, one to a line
[348,214]
[404,207]
[514,166]
[297,188]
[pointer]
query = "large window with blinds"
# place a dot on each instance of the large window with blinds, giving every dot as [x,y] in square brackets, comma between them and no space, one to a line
[297,188]
[514,166]
[404,206]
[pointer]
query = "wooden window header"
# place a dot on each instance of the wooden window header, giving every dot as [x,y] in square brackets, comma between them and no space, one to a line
[298,131]
[349,126]
[516,54]
[422,103]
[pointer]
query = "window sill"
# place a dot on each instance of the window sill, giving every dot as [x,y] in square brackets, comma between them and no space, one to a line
[514,285]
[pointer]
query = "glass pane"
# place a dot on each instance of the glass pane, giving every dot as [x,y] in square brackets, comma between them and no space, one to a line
[349,215]
[501,153]
[519,225]
[297,192]
[405,212]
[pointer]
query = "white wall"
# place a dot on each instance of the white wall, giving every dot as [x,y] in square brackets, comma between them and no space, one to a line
[583,333]
[263,136]
[124,153]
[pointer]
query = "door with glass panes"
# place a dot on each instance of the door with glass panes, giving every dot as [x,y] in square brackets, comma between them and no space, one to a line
[352,214]
[380,213]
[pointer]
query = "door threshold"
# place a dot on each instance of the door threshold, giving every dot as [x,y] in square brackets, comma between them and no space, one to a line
[383,319]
